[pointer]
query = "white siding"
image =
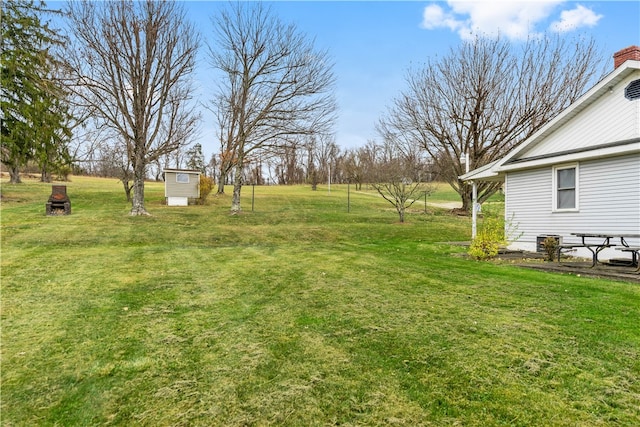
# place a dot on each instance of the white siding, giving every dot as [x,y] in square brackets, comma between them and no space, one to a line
[609,200]
[610,118]
[172,188]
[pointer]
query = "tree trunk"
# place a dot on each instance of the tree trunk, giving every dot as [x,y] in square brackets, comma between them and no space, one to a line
[237,184]
[14,174]
[237,187]
[235,202]
[466,201]
[137,203]
[127,188]
[45,176]
[401,213]
[221,179]
[465,196]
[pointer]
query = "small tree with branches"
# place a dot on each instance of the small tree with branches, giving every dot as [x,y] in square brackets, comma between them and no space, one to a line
[276,86]
[399,176]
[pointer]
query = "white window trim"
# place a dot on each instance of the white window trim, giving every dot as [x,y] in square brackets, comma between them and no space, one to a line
[555,187]
[178,175]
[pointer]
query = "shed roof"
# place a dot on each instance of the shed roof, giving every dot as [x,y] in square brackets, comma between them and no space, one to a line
[182,170]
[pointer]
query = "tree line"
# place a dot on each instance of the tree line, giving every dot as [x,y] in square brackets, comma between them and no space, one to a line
[113,95]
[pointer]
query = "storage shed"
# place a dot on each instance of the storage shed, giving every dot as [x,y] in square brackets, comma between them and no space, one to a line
[180,185]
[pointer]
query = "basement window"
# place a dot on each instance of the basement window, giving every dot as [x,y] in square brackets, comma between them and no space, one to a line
[182,178]
[565,188]
[632,92]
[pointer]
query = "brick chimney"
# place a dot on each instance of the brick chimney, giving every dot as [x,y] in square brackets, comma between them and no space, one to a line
[631,52]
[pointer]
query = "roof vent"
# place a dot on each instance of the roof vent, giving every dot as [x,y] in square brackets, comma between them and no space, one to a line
[632,91]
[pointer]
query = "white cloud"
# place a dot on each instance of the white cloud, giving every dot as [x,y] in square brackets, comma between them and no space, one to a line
[576,18]
[512,19]
[434,17]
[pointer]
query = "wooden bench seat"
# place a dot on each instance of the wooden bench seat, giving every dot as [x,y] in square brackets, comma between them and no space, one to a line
[635,254]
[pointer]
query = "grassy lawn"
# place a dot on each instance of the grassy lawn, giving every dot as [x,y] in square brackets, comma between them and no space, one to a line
[442,193]
[296,314]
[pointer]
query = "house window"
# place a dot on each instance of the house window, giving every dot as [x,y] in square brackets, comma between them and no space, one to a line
[182,178]
[565,180]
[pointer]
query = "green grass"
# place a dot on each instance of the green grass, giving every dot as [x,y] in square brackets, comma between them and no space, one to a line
[442,193]
[299,313]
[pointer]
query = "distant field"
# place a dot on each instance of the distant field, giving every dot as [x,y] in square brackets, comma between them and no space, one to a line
[317,308]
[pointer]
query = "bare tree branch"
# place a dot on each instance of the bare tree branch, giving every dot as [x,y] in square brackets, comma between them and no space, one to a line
[276,85]
[399,174]
[485,97]
[130,65]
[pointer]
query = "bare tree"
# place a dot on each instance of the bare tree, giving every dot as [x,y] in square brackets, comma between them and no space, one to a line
[276,84]
[288,166]
[398,174]
[131,63]
[212,168]
[360,163]
[226,120]
[115,163]
[326,155]
[310,162]
[484,97]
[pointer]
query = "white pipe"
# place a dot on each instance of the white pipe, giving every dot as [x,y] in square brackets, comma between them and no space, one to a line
[474,210]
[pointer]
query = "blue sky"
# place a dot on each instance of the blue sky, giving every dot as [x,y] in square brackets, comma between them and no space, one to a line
[373,43]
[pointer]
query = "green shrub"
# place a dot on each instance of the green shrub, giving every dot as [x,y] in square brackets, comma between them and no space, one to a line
[550,245]
[489,237]
[206,185]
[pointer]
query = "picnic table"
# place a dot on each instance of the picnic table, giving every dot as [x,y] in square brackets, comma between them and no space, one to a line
[597,242]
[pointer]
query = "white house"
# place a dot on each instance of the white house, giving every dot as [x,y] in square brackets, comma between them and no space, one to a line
[180,185]
[580,173]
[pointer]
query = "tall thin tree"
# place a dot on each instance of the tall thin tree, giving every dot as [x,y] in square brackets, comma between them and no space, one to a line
[35,115]
[131,64]
[276,84]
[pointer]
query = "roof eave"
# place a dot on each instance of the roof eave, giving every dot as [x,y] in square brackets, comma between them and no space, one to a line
[587,98]
[181,170]
[483,173]
[597,153]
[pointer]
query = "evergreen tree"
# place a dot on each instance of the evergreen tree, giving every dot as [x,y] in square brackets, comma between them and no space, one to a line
[195,158]
[34,112]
